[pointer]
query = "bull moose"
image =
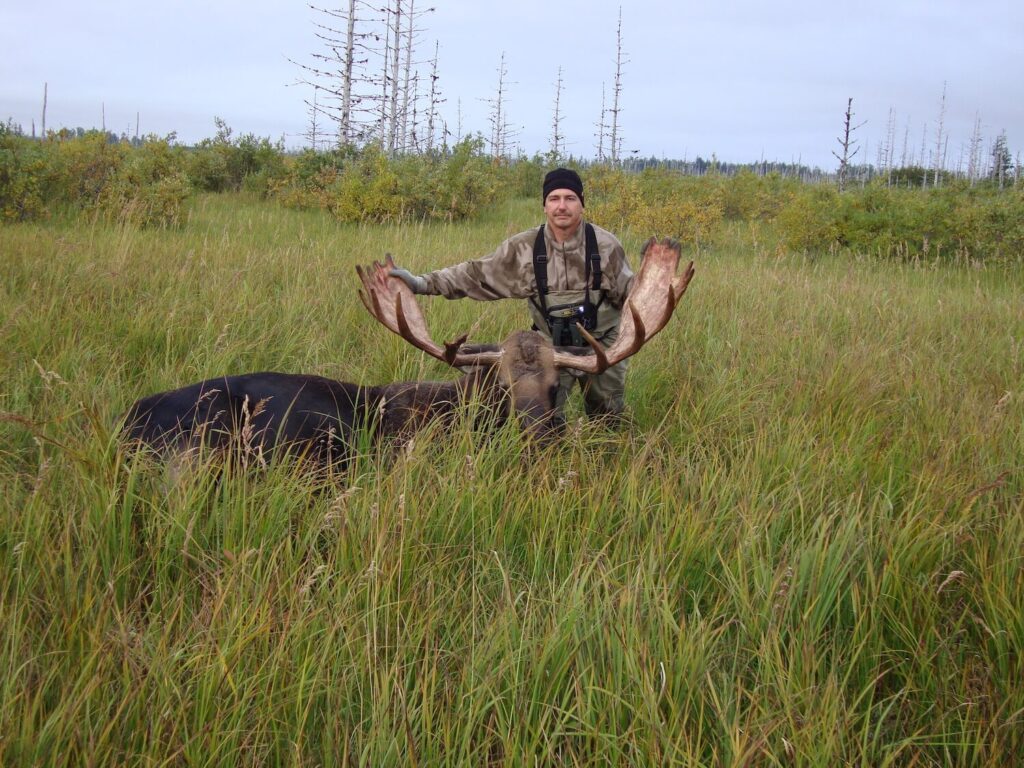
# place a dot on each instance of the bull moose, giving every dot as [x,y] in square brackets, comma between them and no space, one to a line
[317,418]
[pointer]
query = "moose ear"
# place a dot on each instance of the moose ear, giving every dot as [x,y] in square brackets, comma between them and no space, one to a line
[474,368]
[575,351]
[476,349]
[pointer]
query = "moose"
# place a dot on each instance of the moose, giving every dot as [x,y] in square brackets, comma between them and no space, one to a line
[317,419]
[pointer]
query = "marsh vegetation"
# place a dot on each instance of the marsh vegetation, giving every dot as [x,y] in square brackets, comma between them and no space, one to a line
[805,550]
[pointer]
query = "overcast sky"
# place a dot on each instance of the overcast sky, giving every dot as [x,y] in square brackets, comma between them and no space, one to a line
[744,80]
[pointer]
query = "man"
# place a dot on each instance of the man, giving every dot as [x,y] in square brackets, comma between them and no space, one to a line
[587,279]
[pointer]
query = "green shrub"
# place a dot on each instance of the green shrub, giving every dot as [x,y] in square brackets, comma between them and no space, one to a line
[159,203]
[525,178]
[22,171]
[80,168]
[143,185]
[223,163]
[747,196]
[207,169]
[809,221]
[459,185]
[367,185]
[367,190]
[655,202]
[952,222]
[149,189]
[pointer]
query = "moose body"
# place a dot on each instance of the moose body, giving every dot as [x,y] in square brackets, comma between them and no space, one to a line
[262,413]
[319,418]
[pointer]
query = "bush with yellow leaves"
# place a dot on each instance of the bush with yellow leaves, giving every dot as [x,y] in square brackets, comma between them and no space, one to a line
[655,202]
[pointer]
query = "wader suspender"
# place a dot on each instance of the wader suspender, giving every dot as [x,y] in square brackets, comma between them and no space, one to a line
[593,266]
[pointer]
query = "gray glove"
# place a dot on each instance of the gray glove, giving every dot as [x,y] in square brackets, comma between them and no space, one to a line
[416,283]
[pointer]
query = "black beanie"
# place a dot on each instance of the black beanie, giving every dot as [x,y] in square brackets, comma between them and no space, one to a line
[563,178]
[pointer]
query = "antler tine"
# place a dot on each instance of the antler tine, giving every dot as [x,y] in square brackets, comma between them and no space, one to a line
[366,303]
[425,342]
[403,325]
[680,284]
[389,300]
[602,358]
[631,343]
[378,310]
[639,330]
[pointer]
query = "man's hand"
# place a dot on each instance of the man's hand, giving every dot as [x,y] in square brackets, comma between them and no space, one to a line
[416,283]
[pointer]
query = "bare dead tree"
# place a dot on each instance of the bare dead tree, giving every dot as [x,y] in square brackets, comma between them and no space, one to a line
[557,139]
[411,142]
[339,72]
[458,120]
[383,81]
[886,150]
[398,78]
[974,152]
[501,134]
[614,139]
[945,153]
[368,72]
[406,74]
[847,144]
[922,162]
[864,170]
[940,155]
[394,37]
[411,75]
[1001,159]
[497,117]
[906,140]
[348,64]
[313,135]
[435,101]
[601,128]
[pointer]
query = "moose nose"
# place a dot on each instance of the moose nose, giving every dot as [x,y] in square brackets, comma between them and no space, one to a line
[541,424]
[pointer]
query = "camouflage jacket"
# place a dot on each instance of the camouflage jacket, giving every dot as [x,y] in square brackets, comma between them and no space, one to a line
[508,272]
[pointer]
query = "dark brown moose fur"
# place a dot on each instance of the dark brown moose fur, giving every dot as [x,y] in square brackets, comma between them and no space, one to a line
[318,418]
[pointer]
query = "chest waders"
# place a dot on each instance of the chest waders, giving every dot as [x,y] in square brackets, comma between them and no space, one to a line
[561,319]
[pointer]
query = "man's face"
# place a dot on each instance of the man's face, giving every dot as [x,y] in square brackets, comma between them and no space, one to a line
[563,210]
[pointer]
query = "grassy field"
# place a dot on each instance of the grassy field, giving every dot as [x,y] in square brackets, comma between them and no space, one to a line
[806,550]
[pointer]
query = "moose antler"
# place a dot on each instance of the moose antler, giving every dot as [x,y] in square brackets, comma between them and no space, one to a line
[653,297]
[394,305]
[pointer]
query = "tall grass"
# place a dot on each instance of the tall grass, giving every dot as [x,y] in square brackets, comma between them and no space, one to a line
[806,550]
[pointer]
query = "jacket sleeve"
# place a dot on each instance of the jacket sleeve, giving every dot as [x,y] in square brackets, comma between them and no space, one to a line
[504,274]
[619,275]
